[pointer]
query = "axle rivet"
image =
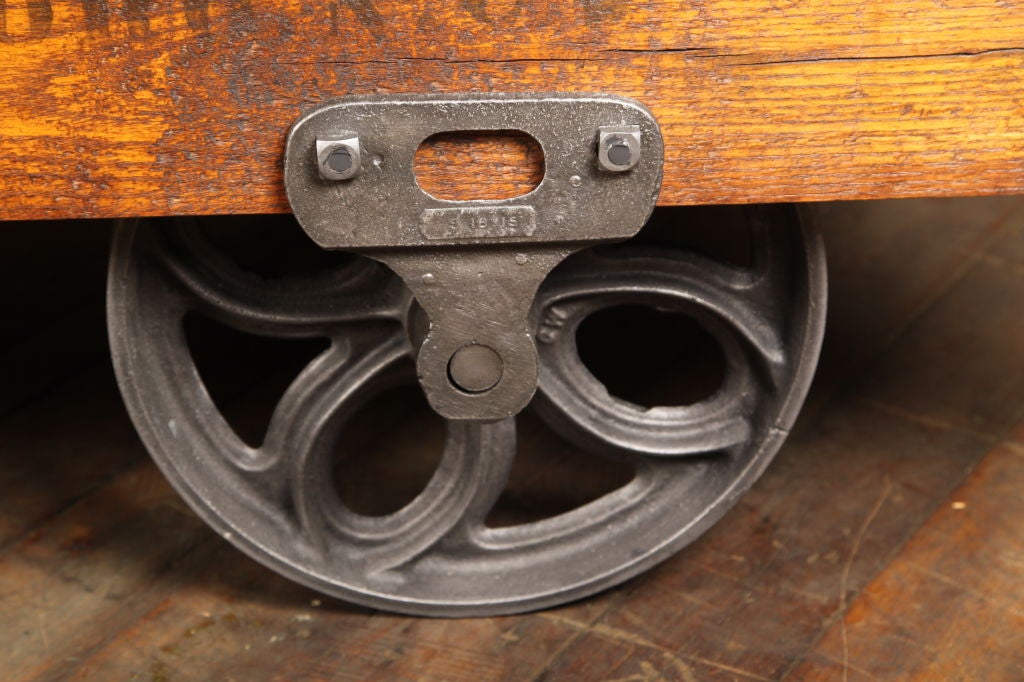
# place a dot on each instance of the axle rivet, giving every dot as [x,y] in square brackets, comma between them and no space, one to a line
[475,368]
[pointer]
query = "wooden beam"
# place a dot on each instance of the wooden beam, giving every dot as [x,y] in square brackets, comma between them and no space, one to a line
[181,106]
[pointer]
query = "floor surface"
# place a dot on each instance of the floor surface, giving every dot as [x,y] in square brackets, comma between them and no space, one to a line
[886,542]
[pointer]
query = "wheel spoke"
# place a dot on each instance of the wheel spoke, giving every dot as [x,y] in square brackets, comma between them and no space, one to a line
[303,417]
[734,305]
[613,508]
[280,501]
[743,298]
[297,305]
[452,506]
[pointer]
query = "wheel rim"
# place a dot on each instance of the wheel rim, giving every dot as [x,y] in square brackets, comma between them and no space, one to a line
[436,555]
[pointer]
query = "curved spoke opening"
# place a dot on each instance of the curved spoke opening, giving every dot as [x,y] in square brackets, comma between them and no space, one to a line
[574,399]
[651,357]
[551,476]
[231,277]
[388,451]
[246,375]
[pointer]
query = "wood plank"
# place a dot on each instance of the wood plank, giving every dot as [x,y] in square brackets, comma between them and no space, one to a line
[507,164]
[232,619]
[216,612]
[965,353]
[704,613]
[867,244]
[181,107]
[750,597]
[951,605]
[82,577]
[51,457]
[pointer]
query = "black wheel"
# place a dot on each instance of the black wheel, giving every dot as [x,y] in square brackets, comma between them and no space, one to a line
[437,555]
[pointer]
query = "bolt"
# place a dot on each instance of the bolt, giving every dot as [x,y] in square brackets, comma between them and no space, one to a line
[619,152]
[618,148]
[339,160]
[338,157]
[475,368]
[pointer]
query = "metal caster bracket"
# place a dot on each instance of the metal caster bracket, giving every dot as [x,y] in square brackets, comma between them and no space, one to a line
[474,266]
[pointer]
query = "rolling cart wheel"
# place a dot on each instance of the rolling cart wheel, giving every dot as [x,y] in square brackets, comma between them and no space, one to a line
[439,554]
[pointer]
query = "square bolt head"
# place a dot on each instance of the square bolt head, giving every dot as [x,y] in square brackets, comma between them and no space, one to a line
[618,148]
[338,157]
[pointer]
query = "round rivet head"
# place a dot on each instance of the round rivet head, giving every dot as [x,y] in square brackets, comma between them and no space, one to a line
[475,368]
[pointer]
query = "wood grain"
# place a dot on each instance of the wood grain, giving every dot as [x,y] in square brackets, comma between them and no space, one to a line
[951,605]
[446,163]
[181,106]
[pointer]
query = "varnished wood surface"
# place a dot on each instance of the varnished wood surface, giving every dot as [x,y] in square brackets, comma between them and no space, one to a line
[883,543]
[175,106]
[458,166]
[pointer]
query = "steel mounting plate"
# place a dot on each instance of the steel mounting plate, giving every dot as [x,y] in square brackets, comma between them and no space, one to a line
[384,207]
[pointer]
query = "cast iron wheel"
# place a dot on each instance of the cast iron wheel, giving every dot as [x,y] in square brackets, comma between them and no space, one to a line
[436,555]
